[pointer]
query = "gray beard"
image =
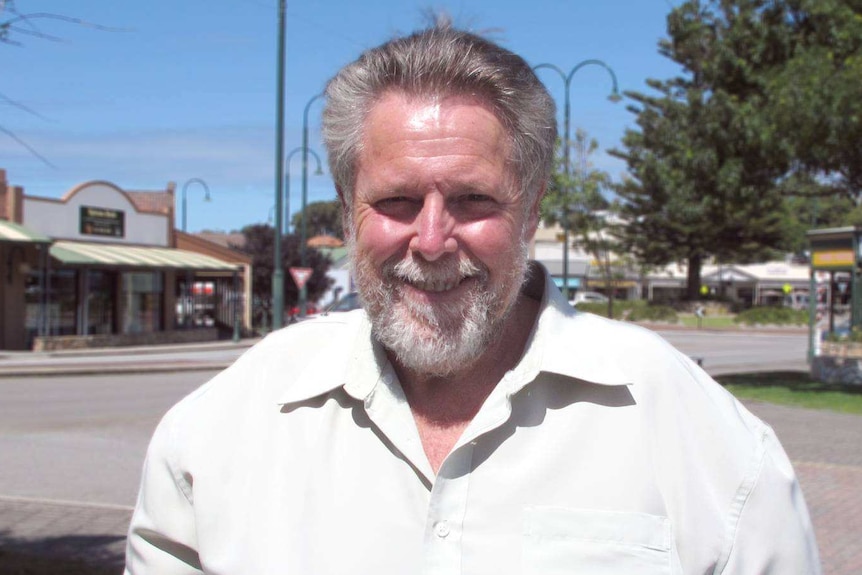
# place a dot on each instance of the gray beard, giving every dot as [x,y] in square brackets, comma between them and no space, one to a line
[437,340]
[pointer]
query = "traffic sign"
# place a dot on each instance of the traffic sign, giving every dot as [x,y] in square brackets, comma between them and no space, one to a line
[300,276]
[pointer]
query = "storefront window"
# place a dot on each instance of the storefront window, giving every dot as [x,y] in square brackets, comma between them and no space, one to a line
[141,302]
[63,307]
[102,287]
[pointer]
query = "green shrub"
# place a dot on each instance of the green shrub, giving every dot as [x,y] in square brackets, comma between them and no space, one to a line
[662,313]
[772,315]
[623,308]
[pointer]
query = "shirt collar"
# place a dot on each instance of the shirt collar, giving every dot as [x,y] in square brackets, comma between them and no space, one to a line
[563,342]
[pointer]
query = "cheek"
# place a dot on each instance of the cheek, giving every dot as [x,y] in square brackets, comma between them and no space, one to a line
[495,244]
[378,237]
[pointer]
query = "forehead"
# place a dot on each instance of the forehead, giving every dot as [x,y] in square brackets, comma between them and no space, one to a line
[397,115]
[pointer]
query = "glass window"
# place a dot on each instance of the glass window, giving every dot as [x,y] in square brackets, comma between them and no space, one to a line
[141,302]
[102,286]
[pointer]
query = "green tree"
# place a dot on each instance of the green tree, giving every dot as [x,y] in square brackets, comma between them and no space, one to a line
[260,245]
[814,96]
[324,219]
[706,162]
[577,202]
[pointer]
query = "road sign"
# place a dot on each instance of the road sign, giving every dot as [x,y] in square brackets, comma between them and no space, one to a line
[300,276]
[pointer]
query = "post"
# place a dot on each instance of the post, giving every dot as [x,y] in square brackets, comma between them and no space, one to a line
[567,83]
[303,292]
[235,303]
[278,267]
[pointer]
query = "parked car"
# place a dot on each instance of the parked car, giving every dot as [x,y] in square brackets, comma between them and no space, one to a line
[588,297]
[347,302]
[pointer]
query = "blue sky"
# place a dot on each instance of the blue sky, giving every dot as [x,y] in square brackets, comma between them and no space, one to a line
[172,90]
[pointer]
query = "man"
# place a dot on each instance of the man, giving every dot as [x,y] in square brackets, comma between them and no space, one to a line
[468,420]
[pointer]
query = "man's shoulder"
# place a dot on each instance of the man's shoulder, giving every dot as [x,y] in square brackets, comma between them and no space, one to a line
[270,368]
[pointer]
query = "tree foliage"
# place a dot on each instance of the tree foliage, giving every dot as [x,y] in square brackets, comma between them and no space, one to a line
[260,245]
[718,149]
[324,219]
[576,201]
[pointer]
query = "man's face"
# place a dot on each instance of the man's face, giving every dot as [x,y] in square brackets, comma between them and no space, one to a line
[438,229]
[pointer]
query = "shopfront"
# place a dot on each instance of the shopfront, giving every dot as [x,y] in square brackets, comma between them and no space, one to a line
[835,338]
[99,267]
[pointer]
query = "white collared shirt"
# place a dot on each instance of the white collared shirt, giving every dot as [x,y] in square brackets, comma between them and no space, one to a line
[604,451]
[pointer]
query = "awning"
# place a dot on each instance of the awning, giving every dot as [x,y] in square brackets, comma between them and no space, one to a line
[11,232]
[134,257]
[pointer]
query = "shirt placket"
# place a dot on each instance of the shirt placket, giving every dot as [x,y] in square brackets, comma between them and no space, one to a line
[444,527]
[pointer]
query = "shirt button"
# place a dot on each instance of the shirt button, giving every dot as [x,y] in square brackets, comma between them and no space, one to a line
[441,529]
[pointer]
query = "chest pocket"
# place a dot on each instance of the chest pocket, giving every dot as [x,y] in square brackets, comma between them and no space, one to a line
[584,542]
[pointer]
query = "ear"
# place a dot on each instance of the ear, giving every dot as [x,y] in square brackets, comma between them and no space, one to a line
[533,216]
[344,213]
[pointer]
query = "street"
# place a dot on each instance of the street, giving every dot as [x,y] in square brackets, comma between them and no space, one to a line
[83,438]
[72,446]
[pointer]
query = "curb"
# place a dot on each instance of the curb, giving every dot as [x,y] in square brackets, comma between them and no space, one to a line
[120,369]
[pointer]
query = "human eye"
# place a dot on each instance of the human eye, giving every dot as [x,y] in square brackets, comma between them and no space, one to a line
[474,205]
[398,207]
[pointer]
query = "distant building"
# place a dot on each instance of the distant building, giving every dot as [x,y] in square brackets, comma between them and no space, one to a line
[105,266]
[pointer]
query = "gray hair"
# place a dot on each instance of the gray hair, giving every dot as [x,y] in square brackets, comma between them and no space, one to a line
[438,62]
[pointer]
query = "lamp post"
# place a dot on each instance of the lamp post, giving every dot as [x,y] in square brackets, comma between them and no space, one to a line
[317,172]
[206,195]
[278,271]
[614,97]
[303,292]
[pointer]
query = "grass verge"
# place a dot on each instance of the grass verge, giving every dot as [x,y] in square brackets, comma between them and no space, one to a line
[707,322]
[796,389]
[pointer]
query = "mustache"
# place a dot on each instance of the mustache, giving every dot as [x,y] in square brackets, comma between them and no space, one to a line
[415,270]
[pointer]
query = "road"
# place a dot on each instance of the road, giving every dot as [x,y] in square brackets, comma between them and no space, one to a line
[72,446]
[83,438]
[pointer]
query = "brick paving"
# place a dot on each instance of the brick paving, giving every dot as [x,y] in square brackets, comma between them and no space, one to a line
[826,449]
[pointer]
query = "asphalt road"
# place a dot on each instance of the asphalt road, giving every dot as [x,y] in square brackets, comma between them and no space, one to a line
[72,446]
[83,438]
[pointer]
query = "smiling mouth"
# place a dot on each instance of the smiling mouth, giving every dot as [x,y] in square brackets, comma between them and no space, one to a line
[435,286]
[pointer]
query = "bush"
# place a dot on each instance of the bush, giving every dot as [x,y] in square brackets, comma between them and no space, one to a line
[623,308]
[662,313]
[772,315]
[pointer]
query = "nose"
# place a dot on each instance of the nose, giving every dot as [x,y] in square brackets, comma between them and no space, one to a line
[433,235]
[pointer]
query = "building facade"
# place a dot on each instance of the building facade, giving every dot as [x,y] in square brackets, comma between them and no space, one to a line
[102,266]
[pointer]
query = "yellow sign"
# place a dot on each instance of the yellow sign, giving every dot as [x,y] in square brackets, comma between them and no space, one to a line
[833,259]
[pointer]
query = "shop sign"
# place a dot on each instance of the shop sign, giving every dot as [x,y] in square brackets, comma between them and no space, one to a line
[833,259]
[102,222]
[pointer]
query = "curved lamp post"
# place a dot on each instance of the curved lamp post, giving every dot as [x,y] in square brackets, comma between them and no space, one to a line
[303,293]
[317,172]
[614,97]
[207,197]
[278,296]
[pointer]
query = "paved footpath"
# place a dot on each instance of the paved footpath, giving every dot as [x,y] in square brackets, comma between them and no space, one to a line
[825,447]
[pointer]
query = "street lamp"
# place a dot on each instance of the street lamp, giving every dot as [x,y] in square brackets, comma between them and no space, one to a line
[303,293]
[614,97]
[278,272]
[317,172]
[206,196]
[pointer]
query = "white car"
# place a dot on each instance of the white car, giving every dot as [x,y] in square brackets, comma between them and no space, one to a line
[588,297]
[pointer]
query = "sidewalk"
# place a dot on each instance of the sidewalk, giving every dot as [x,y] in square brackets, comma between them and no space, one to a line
[154,358]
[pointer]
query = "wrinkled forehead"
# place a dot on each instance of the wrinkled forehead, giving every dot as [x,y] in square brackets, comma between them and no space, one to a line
[404,112]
